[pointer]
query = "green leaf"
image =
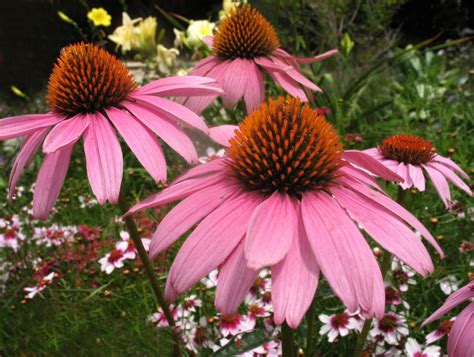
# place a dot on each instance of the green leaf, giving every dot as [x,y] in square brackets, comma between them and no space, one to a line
[247,343]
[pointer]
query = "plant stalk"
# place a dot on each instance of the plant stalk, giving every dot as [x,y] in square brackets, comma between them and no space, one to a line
[310,330]
[149,270]
[287,341]
[384,267]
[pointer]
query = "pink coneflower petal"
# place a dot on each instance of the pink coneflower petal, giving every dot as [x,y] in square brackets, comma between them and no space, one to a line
[451,176]
[234,281]
[50,180]
[416,174]
[271,230]
[181,85]
[141,141]
[255,91]
[170,292]
[451,164]
[65,133]
[402,171]
[186,214]
[388,204]
[174,111]
[369,163]
[166,129]
[440,184]
[234,82]
[295,74]
[294,281]
[322,56]
[362,176]
[343,255]
[222,134]
[176,192]
[382,226]
[209,167]
[15,127]
[214,238]
[461,337]
[456,298]
[27,151]
[288,84]
[104,159]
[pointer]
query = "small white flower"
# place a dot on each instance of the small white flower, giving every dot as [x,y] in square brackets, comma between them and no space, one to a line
[413,349]
[391,328]
[112,260]
[449,284]
[196,31]
[337,325]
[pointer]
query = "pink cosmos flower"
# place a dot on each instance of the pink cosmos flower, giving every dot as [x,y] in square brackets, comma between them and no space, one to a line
[411,156]
[90,92]
[246,45]
[461,336]
[337,325]
[285,196]
[413,349]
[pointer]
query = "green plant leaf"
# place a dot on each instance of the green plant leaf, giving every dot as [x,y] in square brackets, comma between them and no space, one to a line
[247,343]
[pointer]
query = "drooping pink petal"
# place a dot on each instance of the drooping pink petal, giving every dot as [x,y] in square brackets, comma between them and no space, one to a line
[343,255]
[141,141]
[234,82]
[294,281]
[372,152]
[451,176]
[402,171]
[175,192]
[296,75]
[65,133]
[440,184]
[461,336]
[450,163]
[387,230]
[269,65]
[386,203]
[416,174]
[254,94]
[50,180]
[214,238]
[27,151]
[222,134]
[181,86]
[208,168]
[370,164]
[308,60]
[170,291]
[176,111]
[104,159]
[234,281]
[288,84]
[456,298]
[271,230]
[166,129]
[186,214]
[14,127]
[354,173]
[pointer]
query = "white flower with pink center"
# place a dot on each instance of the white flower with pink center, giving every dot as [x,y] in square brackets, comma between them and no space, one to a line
[391,328]
[442,330]
[337,325]
[112,260]
[190,303]
[33,290]
[232,324]
[10,233]
[270,349]
[413,349]
[210,281]
[403,275]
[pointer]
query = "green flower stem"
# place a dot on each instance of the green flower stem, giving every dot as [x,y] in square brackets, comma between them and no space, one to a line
[149,271]
[287,341]
[384,267]
[310,330]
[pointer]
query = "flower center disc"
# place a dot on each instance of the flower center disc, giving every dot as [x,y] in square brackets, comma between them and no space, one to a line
[245,33]
[86,79]
[285,146]
[408,149]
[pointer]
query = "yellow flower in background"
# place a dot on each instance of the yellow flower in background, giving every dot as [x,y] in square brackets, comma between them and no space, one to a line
[146,32]
[99,17]
[125,36]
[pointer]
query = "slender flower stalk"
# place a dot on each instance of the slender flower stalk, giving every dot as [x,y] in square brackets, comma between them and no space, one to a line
[310,315]
[287,341]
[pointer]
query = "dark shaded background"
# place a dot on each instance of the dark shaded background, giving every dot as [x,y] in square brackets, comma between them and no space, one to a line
[31,34]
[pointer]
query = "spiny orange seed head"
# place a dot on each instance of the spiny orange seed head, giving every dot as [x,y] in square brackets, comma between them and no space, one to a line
[285,146]
[245,33]
[86,79]
[409,149]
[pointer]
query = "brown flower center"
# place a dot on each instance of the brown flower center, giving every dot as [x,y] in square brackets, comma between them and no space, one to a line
[285,146]
[86,79]
[245,33]
[409,149]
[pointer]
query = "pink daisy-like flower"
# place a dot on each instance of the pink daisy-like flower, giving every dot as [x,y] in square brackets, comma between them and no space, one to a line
[442,330]
[244,46]
[231,324]
[112,260]
[90,92]
[10,233]
[461,336]
[391,328]
[411,156]
[337,325]
[413,349]
[285,196]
